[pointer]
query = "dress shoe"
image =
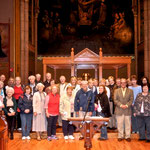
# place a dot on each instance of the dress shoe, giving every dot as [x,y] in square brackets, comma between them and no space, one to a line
[81,138]
[128,139]
[120,139]
[148,141]
[141,139]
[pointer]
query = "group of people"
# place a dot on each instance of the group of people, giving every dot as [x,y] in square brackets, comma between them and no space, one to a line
[39,105]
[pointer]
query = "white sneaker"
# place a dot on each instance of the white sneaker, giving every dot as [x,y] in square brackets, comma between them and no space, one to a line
[71,137]
[28,138]
[19,129]
[23,138]
[66,137]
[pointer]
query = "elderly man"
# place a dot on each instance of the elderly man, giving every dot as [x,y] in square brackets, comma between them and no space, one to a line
[47,82]
[81,100]
[123,98]
[38,78]
[83,96]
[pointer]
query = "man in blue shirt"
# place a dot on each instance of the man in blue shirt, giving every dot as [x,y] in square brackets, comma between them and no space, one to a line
[81,100]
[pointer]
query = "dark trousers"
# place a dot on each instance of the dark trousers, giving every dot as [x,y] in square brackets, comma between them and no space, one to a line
[68,128]
[26,122]
[134,122]
[144,121]
[18,125]
[51,125]
[11,123]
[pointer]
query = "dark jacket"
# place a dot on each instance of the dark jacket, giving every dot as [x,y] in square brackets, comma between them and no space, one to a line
[81,101]
[5,105]
[25,103]
[104,103]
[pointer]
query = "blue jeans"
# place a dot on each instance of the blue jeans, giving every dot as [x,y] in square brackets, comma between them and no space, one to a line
[26,121]
[103,128]
[144,121]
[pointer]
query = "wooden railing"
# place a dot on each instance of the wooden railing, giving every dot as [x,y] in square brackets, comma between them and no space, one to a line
[3,133]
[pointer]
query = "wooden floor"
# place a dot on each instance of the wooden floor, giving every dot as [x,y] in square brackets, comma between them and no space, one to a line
[61,144]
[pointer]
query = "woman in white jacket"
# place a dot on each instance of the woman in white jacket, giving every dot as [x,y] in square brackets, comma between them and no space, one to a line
[39,118]
[67,110]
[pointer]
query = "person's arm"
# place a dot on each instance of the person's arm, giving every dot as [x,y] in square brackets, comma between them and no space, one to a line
[116,99]
[129,103]
[5,108]
[20,104]
[76,102]
[34,104]
[61,106]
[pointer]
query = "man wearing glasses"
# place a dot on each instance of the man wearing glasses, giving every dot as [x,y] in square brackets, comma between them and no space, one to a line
[123,98]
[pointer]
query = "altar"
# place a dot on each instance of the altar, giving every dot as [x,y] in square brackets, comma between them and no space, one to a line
[87,59]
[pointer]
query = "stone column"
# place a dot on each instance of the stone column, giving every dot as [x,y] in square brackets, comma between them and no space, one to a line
[36,31]
[22,18]
[26,38]
[135,34]
[146,38]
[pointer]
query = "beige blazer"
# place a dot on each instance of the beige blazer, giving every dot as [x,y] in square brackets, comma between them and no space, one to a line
[37,102]
[65,106]
[120,100]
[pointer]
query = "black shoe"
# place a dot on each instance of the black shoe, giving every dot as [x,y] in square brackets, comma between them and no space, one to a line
[11,137]
[128,139]
[120,139]
[148,141]
[81,138]
[141,139]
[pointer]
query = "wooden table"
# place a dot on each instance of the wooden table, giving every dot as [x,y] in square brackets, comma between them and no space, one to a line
[88,127]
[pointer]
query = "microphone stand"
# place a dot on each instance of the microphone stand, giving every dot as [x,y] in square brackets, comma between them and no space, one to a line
[89,99]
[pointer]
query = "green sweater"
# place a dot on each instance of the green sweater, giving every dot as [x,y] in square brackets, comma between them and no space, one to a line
[5,105]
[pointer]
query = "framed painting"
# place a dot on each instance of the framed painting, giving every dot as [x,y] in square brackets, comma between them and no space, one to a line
[4,48]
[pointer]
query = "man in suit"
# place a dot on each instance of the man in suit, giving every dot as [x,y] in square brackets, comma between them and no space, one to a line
[123,98]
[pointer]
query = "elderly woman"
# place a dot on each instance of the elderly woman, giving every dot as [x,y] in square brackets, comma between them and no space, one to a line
[142,112]
[18,91]
[39,118]
[1,95]
[32,84]
[26,112]
[10,108]
[102,109]
[52,112]
[66,110]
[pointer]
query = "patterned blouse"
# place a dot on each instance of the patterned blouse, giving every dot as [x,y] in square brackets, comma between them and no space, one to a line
[142,100]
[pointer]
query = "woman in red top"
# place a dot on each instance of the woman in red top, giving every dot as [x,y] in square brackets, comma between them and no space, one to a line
[52,112]
[18,91]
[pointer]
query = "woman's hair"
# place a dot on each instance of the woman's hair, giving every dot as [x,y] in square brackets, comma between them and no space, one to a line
[38,85]
[146,79]
[26,88]
[103,88]
[9,89]
[133,77]
[145,85]
[70,87]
